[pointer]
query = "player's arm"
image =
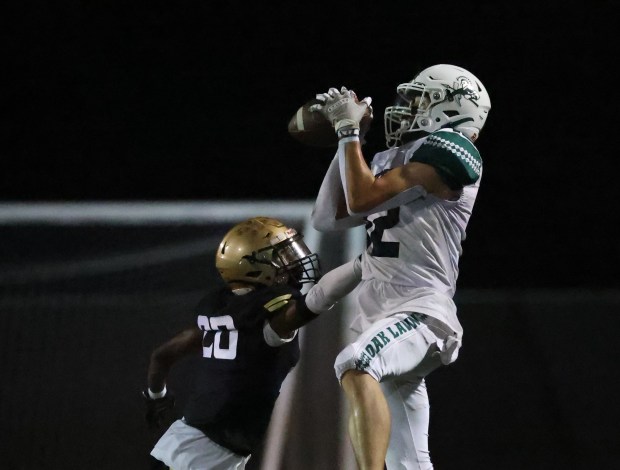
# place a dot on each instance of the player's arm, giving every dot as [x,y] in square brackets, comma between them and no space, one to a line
[331,211]
[187,342]
[330,208]
[158,399]
[366,192]
[321,298]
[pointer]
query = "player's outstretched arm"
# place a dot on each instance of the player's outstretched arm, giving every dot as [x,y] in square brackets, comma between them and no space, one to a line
[330,211]
[321,298]
[364,192]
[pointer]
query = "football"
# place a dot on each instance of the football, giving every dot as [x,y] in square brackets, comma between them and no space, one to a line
[311,128]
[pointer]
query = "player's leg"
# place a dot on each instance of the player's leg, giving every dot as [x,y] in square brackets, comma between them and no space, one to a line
[400,345]
[369,419]
[407,398]
[409,405]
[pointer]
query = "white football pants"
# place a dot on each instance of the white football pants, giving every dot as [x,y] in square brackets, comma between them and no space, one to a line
[183,447]
[399,351]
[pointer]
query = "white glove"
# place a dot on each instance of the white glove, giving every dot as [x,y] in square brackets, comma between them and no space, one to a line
[343,110]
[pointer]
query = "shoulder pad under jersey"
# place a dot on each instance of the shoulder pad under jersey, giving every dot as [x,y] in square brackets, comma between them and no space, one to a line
[452,154]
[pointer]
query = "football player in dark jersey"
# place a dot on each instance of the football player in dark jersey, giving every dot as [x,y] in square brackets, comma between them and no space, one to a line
[246,334]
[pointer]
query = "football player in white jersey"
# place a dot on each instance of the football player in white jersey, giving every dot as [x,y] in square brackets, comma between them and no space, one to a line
[415,199]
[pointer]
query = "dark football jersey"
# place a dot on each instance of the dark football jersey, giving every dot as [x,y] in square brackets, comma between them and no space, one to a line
[239,376]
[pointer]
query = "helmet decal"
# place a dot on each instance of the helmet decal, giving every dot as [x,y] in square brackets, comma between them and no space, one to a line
[462,89]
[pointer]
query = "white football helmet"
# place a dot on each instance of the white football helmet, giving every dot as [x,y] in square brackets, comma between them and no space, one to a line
[440,96]
[263,250]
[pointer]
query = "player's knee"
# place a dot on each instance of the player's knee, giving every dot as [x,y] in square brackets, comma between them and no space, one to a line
[354,376]
[357,381]
[359,387]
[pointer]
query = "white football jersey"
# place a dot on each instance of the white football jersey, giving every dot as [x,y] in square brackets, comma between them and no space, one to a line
[412,259]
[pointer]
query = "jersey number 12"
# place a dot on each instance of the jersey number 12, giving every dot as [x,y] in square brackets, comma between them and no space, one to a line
[374,235]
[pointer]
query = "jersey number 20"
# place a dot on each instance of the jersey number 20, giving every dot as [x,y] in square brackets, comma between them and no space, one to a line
[219,338]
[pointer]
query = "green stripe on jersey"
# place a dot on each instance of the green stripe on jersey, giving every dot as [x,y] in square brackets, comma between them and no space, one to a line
[452,153]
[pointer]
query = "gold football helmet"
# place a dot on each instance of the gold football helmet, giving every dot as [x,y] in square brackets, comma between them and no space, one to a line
[263,250]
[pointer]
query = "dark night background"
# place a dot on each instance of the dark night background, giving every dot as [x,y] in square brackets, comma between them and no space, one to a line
[190,100]
[110,100]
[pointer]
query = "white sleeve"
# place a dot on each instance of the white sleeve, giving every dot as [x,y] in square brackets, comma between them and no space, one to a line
[330,196]
[273,339]
[334,190]
[333,286]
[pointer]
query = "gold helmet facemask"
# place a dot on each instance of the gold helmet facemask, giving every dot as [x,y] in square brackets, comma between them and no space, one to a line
[263,250]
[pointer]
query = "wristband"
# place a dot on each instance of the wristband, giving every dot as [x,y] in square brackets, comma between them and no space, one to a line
[155,396]
[350,132]
[346,140]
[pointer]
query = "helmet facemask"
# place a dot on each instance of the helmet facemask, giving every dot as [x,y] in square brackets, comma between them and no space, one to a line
[409,114]
[397,119]
[295,263]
